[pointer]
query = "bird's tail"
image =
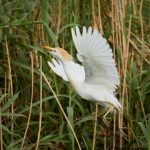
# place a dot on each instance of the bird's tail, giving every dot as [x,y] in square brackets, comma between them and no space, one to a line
[113,100]
[118,105]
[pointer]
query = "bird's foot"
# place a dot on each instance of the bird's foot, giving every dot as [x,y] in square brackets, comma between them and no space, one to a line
[105,120]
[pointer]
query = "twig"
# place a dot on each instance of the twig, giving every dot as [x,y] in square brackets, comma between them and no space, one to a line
[60,106]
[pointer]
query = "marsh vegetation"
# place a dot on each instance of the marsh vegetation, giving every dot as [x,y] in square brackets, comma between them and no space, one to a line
[34,101]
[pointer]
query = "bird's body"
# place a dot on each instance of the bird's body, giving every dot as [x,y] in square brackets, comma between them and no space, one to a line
[88,91]
[96,79]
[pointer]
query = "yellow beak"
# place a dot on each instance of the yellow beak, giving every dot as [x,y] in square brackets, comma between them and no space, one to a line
[48,48]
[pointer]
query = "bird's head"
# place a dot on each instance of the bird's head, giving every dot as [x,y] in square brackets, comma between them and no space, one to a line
[59,53]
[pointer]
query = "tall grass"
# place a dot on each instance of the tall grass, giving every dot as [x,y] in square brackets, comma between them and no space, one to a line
[38,110]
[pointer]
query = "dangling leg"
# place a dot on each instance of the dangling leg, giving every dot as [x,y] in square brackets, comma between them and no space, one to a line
[104,117]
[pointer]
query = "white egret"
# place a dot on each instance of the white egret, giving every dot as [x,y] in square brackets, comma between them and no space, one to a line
[97,78]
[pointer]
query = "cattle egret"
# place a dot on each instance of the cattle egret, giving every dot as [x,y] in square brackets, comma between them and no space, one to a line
[97,78]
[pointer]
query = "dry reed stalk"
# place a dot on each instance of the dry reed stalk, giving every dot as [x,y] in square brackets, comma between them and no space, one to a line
[142,31]
[141,22]
[40,115]
[99,17]
[141,66]
[126,64]
[115,19]
[37,12]
[95,127]
[93,14]
[114,131]
[37,34]
[139,50]
[133,5]
[114,55]
[131,62]
[31,100]
[58,16]
[96,107]
[135,46]
[113,28]
[61,108]
[121,41]
[10,84]
[117,39]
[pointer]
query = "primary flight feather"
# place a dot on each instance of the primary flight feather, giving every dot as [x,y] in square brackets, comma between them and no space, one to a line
[97,78]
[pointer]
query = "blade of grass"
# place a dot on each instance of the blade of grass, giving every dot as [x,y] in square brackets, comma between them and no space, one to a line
[10,102]
[70,117]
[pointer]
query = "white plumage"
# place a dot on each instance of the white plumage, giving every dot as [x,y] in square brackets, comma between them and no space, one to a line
[97,78]
[57,67]
[96,57]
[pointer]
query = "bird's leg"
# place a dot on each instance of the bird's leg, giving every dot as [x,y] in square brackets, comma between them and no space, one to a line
[104,117]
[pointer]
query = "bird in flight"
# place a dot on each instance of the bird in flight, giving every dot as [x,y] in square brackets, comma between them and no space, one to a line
[97,78]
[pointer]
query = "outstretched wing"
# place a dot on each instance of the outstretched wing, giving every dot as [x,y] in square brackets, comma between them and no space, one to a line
[57,67]
[96,56]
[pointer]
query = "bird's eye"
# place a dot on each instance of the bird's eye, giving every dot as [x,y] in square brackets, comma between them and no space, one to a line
[54,50]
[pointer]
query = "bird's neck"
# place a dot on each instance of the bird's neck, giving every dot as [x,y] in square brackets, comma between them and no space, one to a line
[72,72]
[76,76]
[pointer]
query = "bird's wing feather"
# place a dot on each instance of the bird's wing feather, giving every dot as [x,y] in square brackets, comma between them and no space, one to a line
[57,67]
[96,56]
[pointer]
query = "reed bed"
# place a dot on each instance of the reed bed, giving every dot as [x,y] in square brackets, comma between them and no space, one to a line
[38,110]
